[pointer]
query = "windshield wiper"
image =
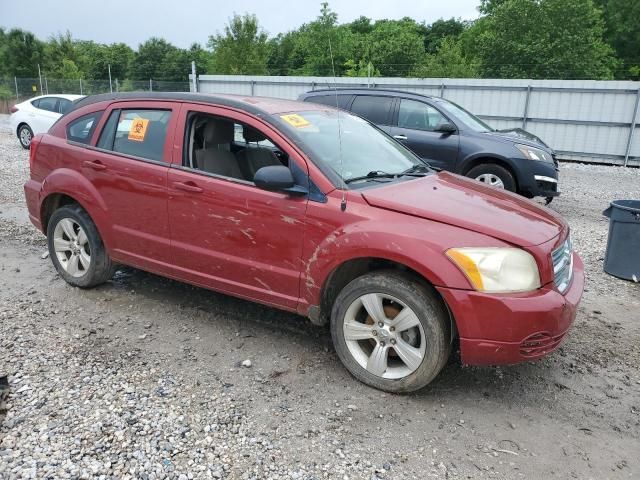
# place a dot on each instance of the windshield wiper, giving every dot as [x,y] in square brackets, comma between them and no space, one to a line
[372,175]
[419,169]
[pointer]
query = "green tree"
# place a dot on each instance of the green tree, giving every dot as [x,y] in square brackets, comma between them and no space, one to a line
[394,46]
[435,33]
[21,53]
[156,59]
[242,49]
[360,69]
[622,32]
[449,61]
[542,39]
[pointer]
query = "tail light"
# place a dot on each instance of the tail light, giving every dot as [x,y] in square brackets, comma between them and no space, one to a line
[13,109]
[35,141]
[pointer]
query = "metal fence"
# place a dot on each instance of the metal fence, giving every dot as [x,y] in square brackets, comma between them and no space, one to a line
[15,90]
[583,120]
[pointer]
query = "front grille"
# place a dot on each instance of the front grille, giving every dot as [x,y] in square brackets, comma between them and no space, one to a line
[562,258]
[539,344]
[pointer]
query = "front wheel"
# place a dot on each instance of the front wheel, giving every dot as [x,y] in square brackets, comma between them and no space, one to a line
[390,331]
[76,249]
[25,135]
[494,176]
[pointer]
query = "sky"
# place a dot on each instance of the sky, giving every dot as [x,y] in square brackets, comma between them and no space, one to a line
[183,22]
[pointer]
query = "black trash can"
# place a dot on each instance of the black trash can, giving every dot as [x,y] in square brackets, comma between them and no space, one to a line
[623,246]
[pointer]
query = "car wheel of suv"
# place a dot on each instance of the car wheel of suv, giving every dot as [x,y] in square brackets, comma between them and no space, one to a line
[25,134]
[494,176]
[76,249]
[391,332]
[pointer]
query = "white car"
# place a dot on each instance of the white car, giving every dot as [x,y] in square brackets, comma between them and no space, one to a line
[36,115]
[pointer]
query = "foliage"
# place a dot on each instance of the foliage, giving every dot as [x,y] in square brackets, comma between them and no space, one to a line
[542,39]
[622,32]
[449,61]
[360,69]
[242,49]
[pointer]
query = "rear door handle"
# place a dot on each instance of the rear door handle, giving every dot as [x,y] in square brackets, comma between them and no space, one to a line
[400,137]
[188,187]
[95,164]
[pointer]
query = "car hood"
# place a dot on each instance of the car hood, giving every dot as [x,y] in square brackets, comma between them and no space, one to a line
[468,204]
[518,135]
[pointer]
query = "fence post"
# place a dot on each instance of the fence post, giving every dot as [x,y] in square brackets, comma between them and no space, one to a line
[253,87]
[632,129]
[110,84]
[442,90]
[40,77]
[117,86]
[526,108]
[150,85]
[46,84]
[15,79]
[193,77]
[80,86]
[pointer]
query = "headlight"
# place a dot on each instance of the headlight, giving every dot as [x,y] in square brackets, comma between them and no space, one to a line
[496,270]
[533,153]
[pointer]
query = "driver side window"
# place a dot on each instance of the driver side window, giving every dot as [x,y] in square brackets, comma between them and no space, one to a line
[227,148]
[419,116]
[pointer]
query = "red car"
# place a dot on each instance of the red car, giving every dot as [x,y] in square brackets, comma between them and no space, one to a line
[312,210]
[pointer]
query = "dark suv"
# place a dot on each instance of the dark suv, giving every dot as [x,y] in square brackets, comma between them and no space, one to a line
[450,138]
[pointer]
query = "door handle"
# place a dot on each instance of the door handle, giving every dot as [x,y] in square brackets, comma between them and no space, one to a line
[187,187]
[400,137]
[95,164]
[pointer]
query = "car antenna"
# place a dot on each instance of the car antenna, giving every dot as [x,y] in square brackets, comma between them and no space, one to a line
[343,202]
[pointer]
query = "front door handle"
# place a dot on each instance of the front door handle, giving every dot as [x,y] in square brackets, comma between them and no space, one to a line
[95,165]
[187,187]
[400,137]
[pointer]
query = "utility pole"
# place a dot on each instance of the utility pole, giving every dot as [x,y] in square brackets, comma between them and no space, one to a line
[193,76]
[40,77]
[110,86]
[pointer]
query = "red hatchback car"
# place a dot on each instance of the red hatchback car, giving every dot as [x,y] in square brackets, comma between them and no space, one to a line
[309,209]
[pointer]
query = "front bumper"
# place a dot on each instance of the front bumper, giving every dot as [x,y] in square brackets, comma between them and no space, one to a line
[537,179]
[512,328]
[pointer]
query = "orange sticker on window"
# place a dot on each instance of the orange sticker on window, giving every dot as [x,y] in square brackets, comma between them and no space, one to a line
[295,120]
[138,129]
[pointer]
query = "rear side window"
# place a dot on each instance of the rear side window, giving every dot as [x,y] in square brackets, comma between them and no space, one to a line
[50,104]
[140,133]
[81,129]
[375,109]
[64,105]
[333,100]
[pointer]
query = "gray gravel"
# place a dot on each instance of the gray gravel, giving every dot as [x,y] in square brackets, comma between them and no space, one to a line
[149,378]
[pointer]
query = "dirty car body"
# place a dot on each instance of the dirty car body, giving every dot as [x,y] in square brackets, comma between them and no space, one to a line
[312,210]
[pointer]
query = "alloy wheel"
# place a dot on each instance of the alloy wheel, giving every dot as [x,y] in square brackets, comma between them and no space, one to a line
[25,136]
[384,336]
[491,180]
[72,248]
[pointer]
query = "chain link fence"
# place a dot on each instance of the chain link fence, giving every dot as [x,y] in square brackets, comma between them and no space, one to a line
[16,90]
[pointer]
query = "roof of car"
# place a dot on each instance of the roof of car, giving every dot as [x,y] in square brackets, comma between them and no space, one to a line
[256,105]
[371,91]
[61,95]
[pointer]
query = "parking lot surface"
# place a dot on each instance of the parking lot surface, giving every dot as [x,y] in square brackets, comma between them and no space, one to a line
[144,377]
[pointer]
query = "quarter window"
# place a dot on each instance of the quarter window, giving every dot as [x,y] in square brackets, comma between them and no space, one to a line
[419,116]
[50,104]
[140,133]
[81,130]
[375,109]
[65,105]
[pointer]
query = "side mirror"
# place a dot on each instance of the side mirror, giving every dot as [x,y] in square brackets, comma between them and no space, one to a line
[446,128]
[275,178]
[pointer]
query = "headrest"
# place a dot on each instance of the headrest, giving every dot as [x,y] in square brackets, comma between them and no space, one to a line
[252,135]
[218,131]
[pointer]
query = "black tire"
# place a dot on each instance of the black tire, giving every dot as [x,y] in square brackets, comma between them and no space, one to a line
[100,267]
[26,129]
[492,169]
[429,309]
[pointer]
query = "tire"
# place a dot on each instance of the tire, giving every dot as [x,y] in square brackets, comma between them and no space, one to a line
[429,335]
[487,172]
[65,232]
[25,135]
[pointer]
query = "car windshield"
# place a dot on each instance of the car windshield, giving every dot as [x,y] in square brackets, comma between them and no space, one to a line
[467,118]
[350,146]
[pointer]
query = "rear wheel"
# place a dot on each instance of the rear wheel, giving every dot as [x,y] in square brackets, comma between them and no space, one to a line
[390,331]
[25,134]
[494,176]
[76,249]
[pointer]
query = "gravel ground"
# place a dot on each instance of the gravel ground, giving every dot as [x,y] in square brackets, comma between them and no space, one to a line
[148,378]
